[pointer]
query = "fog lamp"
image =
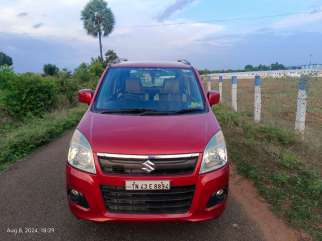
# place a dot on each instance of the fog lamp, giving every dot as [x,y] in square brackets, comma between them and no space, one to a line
[77,197]
[74,192]
[220,192]
[217,197]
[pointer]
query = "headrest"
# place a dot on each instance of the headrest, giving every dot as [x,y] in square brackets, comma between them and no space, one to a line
[171,86]
[133,85]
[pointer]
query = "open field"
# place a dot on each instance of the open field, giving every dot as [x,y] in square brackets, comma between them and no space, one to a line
[279,98]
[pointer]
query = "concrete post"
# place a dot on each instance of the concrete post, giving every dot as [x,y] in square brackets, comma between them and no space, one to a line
[301,104]
[234,93]
[220,83]
[257,99]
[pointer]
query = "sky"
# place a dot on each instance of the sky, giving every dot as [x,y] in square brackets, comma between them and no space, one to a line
[211,34]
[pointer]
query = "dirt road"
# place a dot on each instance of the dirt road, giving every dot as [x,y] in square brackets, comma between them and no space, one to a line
[33,198]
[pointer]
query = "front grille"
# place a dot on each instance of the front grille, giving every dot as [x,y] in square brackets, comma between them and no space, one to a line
[176,200]
[175,165]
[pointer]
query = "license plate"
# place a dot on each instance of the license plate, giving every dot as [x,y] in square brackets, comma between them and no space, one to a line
[147,185]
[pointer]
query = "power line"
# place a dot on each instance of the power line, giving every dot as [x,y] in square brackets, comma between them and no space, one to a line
[222,20]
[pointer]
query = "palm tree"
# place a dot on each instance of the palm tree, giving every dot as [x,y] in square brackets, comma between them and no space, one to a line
[98,20]
[110,56]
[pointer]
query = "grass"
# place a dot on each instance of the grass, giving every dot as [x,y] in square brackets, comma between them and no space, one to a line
[279,103]
[279,97]
[276,160]
[19,139]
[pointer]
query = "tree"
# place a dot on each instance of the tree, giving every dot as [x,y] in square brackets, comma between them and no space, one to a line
[277,66]
[96,67]
[263,67]
[249,67]
[98,20]
[5,59]
[83,73]
[50,69]
[65,73]
[110,57]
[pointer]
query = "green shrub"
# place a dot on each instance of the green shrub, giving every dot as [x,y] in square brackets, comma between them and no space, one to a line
[88,74]
[37,131]
[6,75]
[83,73]
[30,94]
[289,160]
[96,67]
[67,90]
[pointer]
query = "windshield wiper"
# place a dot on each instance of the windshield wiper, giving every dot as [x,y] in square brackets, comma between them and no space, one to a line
[143,111]
[126,111]
[155,112]
[190,110]
[183,111]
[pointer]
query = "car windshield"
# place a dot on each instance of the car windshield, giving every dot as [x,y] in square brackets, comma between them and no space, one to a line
[149,91]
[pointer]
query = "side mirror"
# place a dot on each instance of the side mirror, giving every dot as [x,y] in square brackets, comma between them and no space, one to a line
[85,96]
[213,97]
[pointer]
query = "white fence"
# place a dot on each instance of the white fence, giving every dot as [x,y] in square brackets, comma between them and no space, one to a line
[271,73]
[257,107]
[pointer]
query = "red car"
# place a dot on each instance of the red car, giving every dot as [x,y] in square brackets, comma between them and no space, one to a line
[149,147]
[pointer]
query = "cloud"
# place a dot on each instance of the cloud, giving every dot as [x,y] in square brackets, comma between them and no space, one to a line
[170,42]
[22,14]
[63,31]
[299,20]
[222,40]
[62,22]
[263,48]
[37,25]
[171,9]
[22,48]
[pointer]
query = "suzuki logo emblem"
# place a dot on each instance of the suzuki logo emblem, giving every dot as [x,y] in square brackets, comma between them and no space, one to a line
[148,166]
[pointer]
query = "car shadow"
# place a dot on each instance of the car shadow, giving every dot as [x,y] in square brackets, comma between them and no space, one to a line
[232,225]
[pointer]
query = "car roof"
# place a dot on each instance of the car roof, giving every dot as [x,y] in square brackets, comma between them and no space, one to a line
[151,64]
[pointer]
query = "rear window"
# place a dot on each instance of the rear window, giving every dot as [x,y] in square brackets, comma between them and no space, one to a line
[158,90]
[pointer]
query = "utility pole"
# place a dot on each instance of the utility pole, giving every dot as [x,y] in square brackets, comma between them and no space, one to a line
[310,60]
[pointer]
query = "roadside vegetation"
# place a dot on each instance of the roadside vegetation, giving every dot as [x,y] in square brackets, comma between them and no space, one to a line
[281,166]
[35,108]
[17,142]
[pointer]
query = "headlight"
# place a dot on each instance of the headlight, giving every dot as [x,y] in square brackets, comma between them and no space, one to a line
[80,153]
[215,154]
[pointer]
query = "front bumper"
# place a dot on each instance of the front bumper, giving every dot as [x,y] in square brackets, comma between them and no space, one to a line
[89,186]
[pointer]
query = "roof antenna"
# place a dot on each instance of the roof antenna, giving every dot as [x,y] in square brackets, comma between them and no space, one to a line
[119,60]
[184,61]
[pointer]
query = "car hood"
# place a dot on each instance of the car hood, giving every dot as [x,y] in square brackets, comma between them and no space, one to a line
[132,134]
